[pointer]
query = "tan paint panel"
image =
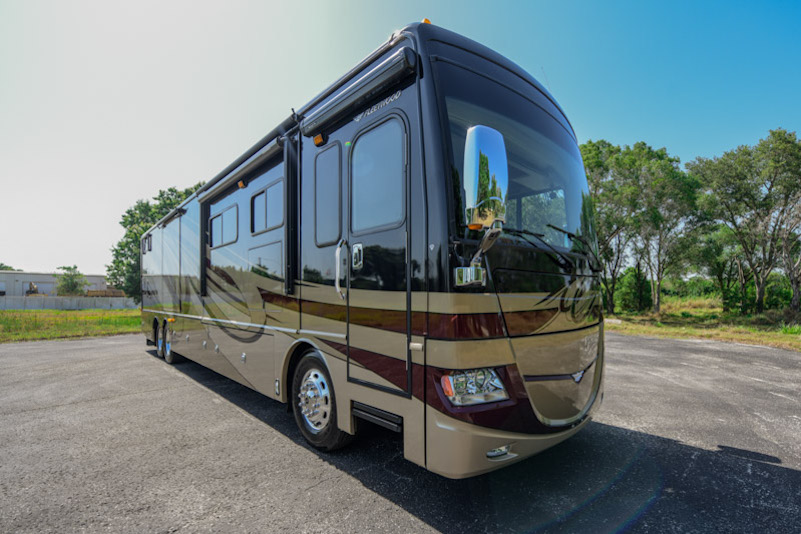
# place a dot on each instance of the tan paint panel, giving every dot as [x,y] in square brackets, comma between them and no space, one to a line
[379,300]
[556,354]
[463,303]
[392,344]
[561,399]
[468,354]
[456,449]
[360,373]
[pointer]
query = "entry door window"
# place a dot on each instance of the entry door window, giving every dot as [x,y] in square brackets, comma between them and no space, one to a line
[377,168]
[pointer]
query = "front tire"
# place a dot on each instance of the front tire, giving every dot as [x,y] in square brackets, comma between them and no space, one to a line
[314,404]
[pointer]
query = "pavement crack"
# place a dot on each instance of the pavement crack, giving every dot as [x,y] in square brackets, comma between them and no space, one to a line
[322,481]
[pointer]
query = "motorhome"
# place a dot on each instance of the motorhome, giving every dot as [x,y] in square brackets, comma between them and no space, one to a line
[414,247]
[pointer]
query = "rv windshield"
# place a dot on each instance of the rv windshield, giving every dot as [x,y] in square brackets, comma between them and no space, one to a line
[547,185]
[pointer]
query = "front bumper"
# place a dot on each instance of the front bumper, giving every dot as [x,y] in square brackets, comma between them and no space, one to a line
[457,449]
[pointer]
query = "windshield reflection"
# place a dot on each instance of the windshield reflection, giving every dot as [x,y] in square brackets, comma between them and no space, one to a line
[547,186]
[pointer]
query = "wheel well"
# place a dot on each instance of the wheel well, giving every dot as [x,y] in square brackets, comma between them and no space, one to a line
[297,352]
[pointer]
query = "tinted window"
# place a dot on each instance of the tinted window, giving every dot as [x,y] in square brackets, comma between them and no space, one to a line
[275,205]
[267,208]
[377,177]
[216,231]
[547,183]
[327,198]
[229,229]
[224,227]
[258,213]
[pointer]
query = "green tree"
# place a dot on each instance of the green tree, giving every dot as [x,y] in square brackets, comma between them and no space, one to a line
[715,251]
[70,282]
[664,200]
[124,270]
[4,267]
[610,196]
[790,243]
[753,190]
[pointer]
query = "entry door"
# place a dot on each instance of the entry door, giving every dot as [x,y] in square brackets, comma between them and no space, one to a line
[378,281]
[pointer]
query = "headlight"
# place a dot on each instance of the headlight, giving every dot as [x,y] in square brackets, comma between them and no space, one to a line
[476,386]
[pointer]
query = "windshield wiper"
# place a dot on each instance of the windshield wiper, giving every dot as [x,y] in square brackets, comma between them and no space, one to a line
[580,239]
[541,237]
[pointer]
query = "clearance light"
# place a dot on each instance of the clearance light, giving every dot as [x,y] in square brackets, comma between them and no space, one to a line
[476,386]
[500,451]
[478,226]
[426,21]
[319,139]
[241,184]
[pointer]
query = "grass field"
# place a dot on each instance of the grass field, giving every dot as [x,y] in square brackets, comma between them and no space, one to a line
[703,318]
[700,318]
[29,325]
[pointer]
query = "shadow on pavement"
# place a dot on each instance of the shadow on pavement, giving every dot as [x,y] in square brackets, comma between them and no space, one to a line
[604,479]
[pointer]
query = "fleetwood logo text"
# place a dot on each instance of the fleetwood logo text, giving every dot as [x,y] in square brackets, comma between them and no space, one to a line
[388,100]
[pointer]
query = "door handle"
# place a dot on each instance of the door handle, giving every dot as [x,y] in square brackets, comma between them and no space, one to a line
[338,256]
[358,256]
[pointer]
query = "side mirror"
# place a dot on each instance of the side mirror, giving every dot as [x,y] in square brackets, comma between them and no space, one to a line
[486,177]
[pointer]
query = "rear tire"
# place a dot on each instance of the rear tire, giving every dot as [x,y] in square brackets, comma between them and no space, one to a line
[169,356]
[314,404]
[160,340]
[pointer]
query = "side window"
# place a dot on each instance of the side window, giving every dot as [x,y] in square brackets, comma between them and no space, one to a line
[327,196]
[377,178]
[258,212]
[267,208]
[224,229]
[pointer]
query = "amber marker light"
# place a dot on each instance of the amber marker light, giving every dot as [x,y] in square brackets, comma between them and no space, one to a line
[241,184]
[319,139]
[475,226]
[426,21]
[447,387]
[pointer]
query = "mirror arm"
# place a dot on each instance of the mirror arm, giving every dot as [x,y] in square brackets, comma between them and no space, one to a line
[475,274]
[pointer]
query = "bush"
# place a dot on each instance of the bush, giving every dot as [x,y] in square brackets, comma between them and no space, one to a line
[71,281]
[634,291]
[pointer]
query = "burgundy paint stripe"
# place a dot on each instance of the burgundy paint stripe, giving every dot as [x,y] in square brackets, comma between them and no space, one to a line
[465,325]
[528,322]
[388,368]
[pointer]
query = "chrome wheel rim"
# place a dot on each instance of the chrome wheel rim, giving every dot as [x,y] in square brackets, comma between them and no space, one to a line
[314,400]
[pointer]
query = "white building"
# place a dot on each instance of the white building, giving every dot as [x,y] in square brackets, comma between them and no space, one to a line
[17,283]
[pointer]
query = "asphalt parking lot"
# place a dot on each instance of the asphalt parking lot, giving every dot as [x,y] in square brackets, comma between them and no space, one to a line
[100,435]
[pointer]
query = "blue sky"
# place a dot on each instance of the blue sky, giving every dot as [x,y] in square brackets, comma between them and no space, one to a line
[103,103]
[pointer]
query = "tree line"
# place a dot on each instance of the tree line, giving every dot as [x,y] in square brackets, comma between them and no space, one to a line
[731,223]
